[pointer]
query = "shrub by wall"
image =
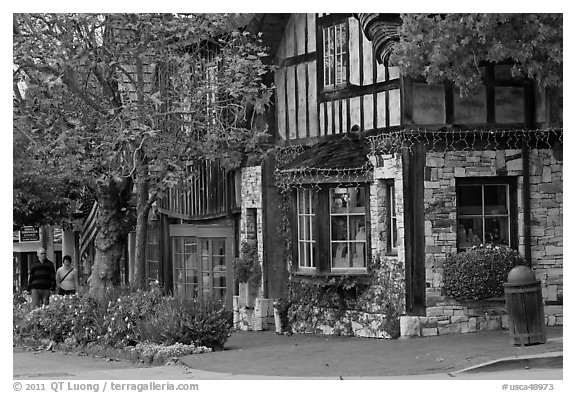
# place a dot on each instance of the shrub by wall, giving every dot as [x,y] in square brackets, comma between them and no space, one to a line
[126,320]
[480,272]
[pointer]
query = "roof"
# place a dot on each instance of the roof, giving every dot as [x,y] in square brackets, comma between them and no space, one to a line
[340,153]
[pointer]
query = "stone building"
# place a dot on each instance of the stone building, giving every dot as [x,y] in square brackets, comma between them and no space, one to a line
[377,178]
[373,180]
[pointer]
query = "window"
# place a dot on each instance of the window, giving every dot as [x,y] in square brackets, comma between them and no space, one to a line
[484,213]
[332,230]
[392,229]
[306,224]
[334,40]
[199,267]
[153,252]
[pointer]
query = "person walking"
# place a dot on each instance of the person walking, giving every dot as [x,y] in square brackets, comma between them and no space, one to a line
[41,279]
[66,277]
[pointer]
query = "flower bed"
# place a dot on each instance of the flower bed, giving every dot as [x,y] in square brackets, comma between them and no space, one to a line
[143,326]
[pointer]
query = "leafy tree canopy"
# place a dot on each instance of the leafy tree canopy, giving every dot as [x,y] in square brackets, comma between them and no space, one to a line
[106,97]
[454,46]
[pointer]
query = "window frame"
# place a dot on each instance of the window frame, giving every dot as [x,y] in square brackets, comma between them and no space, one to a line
[323,235]
[512,204]
[184,285]
[330,21]
[312,199]
[153,252]
[391,218]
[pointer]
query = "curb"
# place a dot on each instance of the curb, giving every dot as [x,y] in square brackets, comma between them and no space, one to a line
[549,360]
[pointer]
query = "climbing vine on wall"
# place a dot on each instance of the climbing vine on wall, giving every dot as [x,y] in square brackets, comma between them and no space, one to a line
[373,302]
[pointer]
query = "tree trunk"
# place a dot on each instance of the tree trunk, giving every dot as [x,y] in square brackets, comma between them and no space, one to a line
[142,209]
[142,187]
[109,241]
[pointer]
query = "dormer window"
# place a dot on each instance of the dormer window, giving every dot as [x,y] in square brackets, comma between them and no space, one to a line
[334,40]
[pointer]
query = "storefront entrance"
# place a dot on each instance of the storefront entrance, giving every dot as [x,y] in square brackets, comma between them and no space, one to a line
[202,262]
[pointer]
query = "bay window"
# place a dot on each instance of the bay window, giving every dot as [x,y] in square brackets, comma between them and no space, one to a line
[332,230]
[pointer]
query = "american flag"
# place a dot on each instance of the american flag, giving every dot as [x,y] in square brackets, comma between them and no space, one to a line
[89,227]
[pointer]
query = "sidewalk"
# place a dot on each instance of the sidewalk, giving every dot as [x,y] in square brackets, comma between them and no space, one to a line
[264,354]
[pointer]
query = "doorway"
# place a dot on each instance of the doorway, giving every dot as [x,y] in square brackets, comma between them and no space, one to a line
[202,263]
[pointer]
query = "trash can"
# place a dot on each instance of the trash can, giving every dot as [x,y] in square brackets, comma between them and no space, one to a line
[523,294]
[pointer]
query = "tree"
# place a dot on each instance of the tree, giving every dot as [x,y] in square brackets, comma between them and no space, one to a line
[129,101]
[452,47]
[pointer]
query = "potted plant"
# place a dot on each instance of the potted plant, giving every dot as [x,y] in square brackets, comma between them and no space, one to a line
[247,272]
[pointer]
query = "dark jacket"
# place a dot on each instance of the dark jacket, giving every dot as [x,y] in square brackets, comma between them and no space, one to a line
[42,276]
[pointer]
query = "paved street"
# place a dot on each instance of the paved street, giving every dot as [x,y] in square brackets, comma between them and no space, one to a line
[264,355]
[45,365]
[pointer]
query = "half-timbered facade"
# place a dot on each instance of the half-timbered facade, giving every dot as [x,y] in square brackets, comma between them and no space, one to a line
[379,177]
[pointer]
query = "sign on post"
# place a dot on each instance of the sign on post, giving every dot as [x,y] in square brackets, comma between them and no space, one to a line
[29,234]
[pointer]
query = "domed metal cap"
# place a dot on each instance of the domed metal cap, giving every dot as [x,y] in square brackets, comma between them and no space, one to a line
[521,274]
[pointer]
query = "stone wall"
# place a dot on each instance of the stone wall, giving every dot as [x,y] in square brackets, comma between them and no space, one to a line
[251,311]
[251,201]
[444,168]
[546,193]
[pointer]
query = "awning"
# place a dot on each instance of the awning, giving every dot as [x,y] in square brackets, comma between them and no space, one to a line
[341,158]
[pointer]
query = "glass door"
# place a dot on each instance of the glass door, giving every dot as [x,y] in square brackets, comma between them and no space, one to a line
[199,267]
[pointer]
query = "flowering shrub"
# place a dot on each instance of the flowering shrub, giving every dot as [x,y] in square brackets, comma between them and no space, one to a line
[70,317]
[188,322]
[124,312]
[147,350]
[125,320]
[480,272]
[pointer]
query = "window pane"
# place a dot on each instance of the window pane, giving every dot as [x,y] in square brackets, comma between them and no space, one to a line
[359,256]
[219,247]
[340,254]
[219,280]
[339,228]
[497,230]
[205,250]
[191,262]
[301,201]
[177,242]
[190,246]
[312,228]
[394,234]
[339,198]
[302,261]
[495,199]
[313,254]
[205,264]
[357,227]
[219,294]
[469,199]
[191,276]
[357,199]
[178,276]
[469,232]
[177,261]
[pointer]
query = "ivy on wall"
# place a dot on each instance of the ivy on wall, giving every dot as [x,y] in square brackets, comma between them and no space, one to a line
[341,303]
